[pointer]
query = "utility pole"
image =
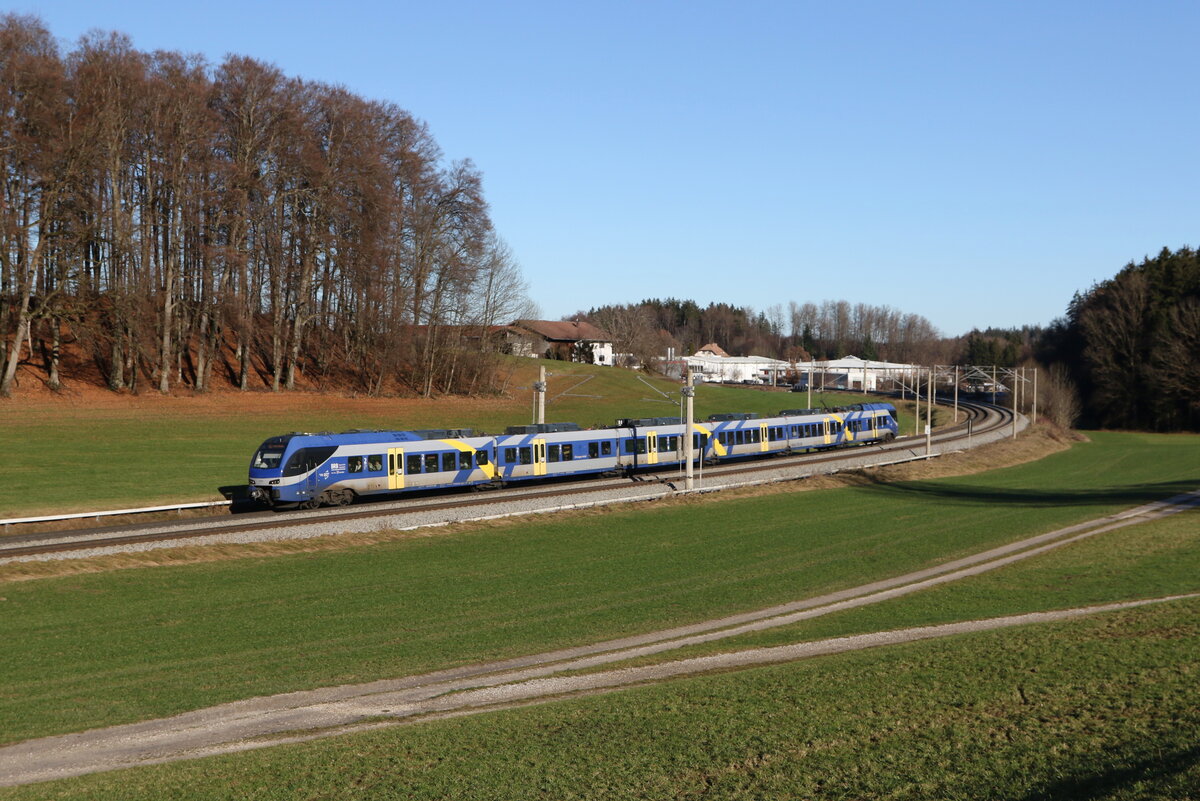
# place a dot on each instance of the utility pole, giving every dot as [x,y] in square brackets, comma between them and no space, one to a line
[1015,393]
[917,397]
[929,418]
[689,393]
[539,389]
[1034,420]
[1021,389]
[956,394]
[810,367]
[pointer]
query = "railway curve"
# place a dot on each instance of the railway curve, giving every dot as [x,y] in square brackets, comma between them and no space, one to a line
[984,423]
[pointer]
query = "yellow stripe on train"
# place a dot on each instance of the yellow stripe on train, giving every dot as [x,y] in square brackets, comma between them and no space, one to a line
[718,448]
[488,469]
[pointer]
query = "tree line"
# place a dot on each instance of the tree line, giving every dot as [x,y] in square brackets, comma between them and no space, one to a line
[1131,345]
[174,219]
[797,332]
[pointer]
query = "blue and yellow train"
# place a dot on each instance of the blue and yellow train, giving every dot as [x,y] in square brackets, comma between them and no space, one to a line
[310,470]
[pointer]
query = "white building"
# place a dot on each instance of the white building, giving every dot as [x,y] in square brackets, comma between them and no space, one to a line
[851,372]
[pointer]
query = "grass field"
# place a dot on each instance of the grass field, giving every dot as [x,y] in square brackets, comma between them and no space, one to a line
[1103,708]
[108,648]
[110,452]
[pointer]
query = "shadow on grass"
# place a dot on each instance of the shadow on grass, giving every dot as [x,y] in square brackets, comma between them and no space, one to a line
[1149,772]
[239,499]
[967,495]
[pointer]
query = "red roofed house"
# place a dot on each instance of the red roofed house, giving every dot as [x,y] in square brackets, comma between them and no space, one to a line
[567,340]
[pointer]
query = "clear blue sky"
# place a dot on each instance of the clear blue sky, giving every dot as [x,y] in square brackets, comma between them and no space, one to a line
[973,162]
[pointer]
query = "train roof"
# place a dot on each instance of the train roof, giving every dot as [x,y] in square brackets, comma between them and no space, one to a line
[360,436]
[543,428]
[642,422]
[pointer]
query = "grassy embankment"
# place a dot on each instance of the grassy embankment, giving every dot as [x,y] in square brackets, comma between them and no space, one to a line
[113,452]
[108,648]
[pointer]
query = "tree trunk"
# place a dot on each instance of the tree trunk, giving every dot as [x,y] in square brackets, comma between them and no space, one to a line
[55,381]
[8,382]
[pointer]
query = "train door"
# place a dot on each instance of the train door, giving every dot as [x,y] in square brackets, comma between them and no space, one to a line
[539,457]
[651,447]
[312,483]
[395,468]
[763,439]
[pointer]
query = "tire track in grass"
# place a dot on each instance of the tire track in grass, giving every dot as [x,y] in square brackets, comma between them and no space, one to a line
[312,714]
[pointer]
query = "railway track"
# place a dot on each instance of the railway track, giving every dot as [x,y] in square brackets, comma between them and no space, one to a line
[983,421]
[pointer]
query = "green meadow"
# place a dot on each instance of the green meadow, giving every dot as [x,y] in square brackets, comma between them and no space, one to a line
[115,647]
[1104,707]
[1100,708]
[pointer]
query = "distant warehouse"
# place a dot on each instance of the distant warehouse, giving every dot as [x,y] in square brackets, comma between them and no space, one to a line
[712,364]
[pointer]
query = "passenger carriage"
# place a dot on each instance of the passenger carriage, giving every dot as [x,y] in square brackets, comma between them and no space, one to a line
[309,470]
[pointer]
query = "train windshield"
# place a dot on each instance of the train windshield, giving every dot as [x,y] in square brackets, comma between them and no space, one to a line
[268,456]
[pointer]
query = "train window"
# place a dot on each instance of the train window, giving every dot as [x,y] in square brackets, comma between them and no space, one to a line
[414,466]
[481,458]
[630,447]
[268,457]
[593,450]
[740,438]
[552,453]
[354,464]
[755,435]
[464,460]
[375,463]
[606,448]
[449,462]
[526,455]
[568,452]
[431,463]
